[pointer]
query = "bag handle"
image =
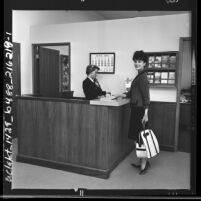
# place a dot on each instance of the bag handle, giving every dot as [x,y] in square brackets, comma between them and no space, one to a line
[143,125]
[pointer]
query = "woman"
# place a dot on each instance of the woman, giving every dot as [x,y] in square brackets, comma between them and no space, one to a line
[90,85]
[140,100]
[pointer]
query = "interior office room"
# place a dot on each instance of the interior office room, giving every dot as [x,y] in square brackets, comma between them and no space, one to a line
[61,140]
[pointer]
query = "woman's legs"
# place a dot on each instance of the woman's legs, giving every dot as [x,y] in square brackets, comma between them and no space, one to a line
[136,164]
[135,128]
[144,165]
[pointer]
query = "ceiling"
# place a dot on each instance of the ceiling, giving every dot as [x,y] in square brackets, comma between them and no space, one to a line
[109,15]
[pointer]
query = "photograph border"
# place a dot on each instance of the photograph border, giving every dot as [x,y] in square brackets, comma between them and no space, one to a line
[9,6]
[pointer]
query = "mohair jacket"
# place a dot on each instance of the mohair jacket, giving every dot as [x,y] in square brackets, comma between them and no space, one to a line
[139,91]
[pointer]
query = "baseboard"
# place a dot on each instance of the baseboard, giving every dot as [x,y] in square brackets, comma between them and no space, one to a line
[104,174]
[166,148]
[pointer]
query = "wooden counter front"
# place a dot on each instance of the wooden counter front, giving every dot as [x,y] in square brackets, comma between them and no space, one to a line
[72,135]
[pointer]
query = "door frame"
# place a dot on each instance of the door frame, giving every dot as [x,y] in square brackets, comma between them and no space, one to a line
[18,45]
[179,77]
[35,63]
[17,80]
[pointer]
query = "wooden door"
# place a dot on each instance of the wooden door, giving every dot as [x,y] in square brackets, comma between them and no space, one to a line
[16,77]
[48,72]
[16,69]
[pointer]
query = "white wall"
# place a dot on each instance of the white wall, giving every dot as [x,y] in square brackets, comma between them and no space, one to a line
[158,33]
[21,23]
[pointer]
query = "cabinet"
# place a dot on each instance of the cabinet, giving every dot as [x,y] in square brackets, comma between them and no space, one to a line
[162,68]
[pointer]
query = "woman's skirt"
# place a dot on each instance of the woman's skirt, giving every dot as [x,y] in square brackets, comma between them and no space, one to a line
[135,125]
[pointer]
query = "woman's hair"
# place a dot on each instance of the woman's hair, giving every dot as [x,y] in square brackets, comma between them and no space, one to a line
[91,68]
[140,55]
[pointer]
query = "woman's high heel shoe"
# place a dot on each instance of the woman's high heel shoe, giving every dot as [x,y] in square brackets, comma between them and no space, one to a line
[135,165]
[145,168]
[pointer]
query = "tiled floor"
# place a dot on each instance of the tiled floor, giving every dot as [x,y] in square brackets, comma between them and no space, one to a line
[169,170]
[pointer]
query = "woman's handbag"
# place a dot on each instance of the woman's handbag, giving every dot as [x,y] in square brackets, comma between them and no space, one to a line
[150,142]
[140,149]
[150,147]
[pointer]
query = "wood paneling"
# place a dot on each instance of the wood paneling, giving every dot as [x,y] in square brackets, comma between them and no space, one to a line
[119,143]
[73,133]
[184,143]
[162,122]
[185,115]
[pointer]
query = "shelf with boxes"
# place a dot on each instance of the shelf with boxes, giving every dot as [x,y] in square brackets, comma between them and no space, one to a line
[162,68]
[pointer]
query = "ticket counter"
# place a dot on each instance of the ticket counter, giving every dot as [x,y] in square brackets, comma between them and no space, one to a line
[77,135]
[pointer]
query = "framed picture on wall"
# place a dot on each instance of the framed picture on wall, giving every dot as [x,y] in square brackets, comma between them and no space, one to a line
[105,61]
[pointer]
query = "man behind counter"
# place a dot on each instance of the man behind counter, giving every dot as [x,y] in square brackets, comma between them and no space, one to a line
[90,85]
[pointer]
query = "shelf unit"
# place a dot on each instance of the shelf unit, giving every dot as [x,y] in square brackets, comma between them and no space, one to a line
[162,68]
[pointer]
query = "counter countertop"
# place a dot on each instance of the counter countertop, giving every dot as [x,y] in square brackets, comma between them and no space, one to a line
[108,102]
[54,99]
[102,101]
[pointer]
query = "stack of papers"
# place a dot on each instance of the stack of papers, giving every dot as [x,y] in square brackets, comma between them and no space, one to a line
[108,98]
